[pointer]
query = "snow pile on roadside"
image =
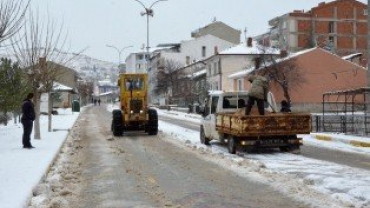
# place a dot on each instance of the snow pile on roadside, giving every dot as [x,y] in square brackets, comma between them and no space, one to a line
[61,182]
[316,183]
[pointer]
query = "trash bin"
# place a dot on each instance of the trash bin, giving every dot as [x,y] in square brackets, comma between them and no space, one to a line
[75,106]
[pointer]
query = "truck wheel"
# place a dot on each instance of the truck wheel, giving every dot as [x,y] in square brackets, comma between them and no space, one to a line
[231,145]
[203,138]
[295,149]
[117,128]
[153,122]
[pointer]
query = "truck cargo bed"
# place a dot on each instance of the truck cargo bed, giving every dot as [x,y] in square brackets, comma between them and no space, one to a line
[276,124]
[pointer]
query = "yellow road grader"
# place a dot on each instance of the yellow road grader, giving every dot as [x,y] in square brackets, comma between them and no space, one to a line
[134,113]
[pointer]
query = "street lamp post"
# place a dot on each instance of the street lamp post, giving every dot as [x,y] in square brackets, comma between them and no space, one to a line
[148,12]
[119,52]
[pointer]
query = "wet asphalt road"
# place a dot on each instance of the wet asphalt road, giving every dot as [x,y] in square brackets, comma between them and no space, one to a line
[141,171]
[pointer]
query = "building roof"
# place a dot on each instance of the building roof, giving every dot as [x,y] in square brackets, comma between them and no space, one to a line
[243,49]
[106,82]
[351,56]
[246,71]
[57,87]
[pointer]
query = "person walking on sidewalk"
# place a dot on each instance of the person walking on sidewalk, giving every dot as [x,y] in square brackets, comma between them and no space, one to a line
[28,116]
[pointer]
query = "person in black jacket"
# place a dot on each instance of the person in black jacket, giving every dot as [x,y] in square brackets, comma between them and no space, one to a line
[285,107]
[28,116]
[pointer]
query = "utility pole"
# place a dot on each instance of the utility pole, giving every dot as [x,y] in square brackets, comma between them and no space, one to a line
[148,12]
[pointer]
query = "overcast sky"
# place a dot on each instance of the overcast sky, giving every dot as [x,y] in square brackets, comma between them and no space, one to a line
[96,23]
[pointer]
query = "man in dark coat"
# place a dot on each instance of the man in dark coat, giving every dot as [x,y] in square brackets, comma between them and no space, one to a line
[257,93]
[285,107]
[28,116]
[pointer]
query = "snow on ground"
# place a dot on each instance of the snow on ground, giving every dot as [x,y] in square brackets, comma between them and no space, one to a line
[21,169]
[319,183]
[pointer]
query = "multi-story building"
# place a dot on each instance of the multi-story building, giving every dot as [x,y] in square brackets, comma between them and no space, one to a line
[207,41]
[339,26]
[136,63]
[221,65]
[320,71]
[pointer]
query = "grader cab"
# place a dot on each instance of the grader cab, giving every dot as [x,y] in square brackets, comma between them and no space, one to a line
[134,113]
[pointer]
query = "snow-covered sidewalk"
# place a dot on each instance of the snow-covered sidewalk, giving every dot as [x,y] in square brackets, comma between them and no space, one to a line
[22,169]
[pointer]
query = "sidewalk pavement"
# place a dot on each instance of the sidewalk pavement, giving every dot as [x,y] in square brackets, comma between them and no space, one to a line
[347,139]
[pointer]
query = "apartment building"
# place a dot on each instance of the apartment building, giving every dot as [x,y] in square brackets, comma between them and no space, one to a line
[339,26]
[137,62]
[206,42]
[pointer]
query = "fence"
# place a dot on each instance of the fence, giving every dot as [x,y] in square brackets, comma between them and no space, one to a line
[344,112]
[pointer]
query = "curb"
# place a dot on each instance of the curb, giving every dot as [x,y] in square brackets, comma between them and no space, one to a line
[54,159]
[352,142]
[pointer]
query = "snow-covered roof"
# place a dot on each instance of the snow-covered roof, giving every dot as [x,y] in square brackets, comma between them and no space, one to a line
[199,73]
[61,88]
[106,93]
[243,49]
[246,71]
[242,73]
[105,83]
[350,56]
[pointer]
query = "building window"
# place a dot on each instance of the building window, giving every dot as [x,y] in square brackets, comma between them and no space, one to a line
[365,12]
[215,85]
[215,68]
[209,70]
[331,27]
[284,25]
[203,51]
[240,85]
[140,56]
[331,39]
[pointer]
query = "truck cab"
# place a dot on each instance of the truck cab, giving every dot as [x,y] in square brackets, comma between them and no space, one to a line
[226,102]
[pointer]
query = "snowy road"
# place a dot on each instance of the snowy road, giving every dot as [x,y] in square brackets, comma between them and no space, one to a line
[137,170]
[351,159]
[173,169]
[324,184]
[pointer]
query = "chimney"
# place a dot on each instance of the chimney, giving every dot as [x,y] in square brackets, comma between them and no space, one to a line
[283,53]
[249,42]
[216,50]
[321,3]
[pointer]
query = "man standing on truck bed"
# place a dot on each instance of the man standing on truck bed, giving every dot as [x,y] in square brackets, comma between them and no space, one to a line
[258,92]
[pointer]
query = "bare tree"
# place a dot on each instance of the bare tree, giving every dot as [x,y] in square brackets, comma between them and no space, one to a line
[85,89]
[200,85]
[283,71]
[12,13]
[168,77]
[37,44]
